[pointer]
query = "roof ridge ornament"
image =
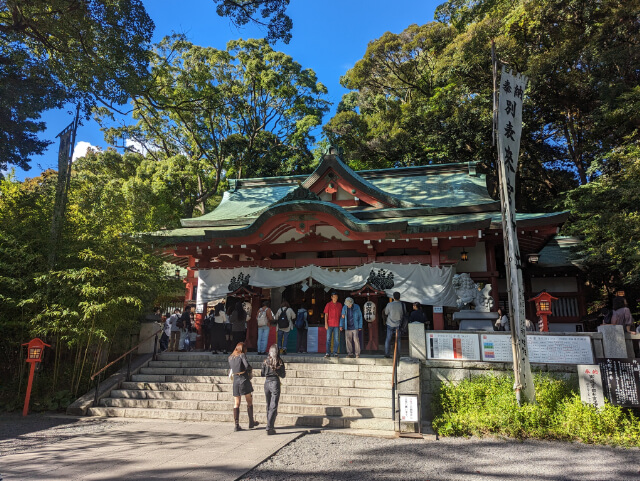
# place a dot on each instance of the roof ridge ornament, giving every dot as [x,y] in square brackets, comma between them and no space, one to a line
[334,150]
[298,194]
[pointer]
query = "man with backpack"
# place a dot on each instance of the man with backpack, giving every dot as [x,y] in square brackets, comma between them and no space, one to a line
[302,325]
[175,331]
[284,323]
[265,319]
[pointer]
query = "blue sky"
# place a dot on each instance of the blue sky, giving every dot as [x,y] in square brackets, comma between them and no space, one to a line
[329,37]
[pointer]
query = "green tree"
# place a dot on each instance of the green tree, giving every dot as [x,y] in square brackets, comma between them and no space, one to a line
[606,214]
[265,13]
[58,51]
[247,110]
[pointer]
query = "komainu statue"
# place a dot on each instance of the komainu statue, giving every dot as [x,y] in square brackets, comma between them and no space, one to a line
[469,292]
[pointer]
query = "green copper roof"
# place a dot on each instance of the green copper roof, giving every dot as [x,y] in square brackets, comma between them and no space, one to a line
[557,252]
[442,190]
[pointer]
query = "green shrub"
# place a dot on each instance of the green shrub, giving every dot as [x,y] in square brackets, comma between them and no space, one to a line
[487,405]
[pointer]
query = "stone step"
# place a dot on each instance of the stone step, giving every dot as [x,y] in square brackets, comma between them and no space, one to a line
[224,384]
[310,372]
[377,398]
[224,391]
[259,406]
[328,377]
[317,366]
[377,359]
[380,424]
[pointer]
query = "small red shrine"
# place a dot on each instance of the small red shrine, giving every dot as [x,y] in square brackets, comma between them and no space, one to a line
[403,229]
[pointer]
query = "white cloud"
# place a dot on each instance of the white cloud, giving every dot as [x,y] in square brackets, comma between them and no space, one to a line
[81,149]
[136,146]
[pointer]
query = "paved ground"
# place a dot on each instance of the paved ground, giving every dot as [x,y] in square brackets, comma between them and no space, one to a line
[66,448]
[89,449]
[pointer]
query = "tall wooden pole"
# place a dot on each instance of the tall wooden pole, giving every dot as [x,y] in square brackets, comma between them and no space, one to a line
[508,130]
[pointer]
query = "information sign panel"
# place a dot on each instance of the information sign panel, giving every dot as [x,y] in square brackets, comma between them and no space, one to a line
[621,381]
[560,349]
[409,408]
[496,348]
[591,385]
[453,347]
[542,349]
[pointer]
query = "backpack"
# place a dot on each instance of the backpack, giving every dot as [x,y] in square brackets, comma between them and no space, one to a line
[300,318]
[263,319]
[283,320]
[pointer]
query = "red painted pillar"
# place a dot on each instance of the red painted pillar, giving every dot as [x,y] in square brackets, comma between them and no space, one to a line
[25,410]
[438,317]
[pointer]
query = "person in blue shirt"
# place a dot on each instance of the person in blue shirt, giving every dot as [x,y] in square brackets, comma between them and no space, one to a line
[351,323]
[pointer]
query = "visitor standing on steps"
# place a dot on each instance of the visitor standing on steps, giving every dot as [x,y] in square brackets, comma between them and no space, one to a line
[219,336]
[302,326]
[332,312]
[272,370]
[238,323]
[174,342]
[241,371]
[264,320]
[351,323]
[394,312]
[284,323]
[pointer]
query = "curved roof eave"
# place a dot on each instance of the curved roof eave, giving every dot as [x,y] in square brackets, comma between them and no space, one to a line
[340,214]
[331,161]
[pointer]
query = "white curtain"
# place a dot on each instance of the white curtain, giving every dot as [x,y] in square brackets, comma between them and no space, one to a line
[415,283]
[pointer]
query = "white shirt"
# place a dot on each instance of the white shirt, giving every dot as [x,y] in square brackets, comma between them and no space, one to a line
[166,328]
[173,319]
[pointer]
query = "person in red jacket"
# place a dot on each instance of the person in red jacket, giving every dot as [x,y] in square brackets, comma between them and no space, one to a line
[332,312]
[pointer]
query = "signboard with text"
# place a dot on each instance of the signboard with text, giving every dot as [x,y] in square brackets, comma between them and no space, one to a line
[621,381]
[453,347]
[542,349]
[591,385]
[409,408]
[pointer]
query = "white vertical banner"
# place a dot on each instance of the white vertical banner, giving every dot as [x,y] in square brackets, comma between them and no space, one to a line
[509,129]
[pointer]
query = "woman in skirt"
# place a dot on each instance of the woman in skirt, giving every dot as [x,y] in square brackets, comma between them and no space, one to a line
[272,371]
[241,370]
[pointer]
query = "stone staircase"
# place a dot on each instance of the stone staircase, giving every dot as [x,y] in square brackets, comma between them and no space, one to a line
[316,392]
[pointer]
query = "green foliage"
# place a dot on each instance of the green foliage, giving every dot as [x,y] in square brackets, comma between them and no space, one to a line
[606,214]
[106,277]
[242,12]
[425,95]
[486,405]
[247,111]
[65,50]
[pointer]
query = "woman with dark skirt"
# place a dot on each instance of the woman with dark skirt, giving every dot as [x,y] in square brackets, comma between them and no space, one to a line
[241,370]
[272,370]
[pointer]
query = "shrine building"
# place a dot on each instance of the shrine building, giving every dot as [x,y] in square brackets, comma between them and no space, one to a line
[367,234]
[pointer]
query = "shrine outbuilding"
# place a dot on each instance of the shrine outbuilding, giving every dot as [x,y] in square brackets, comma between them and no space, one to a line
[366,234]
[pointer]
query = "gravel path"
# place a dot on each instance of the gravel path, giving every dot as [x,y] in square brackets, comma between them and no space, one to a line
[330,456]
[19,434]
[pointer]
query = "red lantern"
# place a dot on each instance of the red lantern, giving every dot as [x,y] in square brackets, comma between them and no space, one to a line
[35,352]
[543,308]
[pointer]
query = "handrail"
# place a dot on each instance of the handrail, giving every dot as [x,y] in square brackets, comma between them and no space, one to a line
[394,378]
[130,350]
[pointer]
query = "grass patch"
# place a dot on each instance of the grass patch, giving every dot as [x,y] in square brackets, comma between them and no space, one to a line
[486,405]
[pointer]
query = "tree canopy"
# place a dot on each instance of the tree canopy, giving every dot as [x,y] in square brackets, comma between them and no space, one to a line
[424,95]
[57,51]
[265,13]
[244,111]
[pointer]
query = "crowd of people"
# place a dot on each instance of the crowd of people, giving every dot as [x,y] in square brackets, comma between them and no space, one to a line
[222,328]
